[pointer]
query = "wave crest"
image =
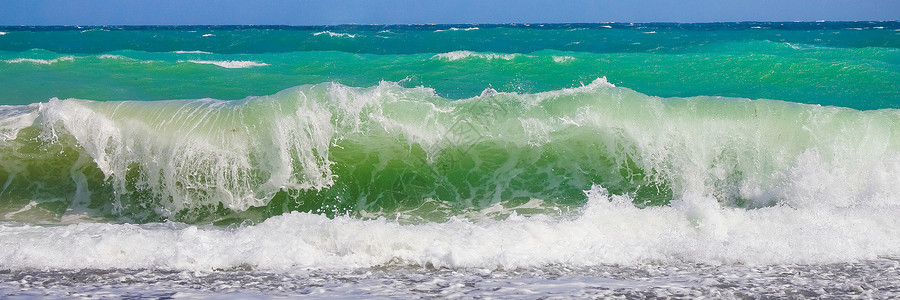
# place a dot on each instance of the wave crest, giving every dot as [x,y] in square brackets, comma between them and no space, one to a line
[335,34]
[230,64]
[463,54]
[388,151]
[40,61]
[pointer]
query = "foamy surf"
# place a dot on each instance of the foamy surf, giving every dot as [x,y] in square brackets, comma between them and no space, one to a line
[230,64]
[192,52]
[457,29]
[462,54]
[40,61]
[335,34]
[562,59]
[608,231]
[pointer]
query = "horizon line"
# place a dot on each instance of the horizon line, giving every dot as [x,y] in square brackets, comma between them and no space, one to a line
[447,24]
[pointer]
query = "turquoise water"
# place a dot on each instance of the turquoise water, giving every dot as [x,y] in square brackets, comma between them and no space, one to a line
[680,160]
[842,64]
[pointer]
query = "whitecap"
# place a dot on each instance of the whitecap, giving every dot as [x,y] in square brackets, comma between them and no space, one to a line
[457,29]
[333,34]
[231,64]
[463,54]
[40,61]
[562,59]
[110,56]
[192,52]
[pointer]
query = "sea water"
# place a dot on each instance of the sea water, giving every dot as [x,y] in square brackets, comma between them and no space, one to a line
[722,160]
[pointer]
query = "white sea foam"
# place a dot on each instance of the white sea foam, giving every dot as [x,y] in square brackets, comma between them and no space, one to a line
[795,47]
[562,59]
[3,33]
[192,52]
[463,54]
[231,64]
[40,61]
[334,34]
[111,56]
[208,35]
[95,29]
[457,29]
[610,230]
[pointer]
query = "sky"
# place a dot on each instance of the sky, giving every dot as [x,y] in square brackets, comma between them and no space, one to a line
[332,12]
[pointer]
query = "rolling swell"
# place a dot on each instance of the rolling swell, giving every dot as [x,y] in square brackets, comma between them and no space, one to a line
[859,78]
[406,153]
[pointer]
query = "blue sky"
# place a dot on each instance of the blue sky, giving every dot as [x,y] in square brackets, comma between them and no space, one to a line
[321,12]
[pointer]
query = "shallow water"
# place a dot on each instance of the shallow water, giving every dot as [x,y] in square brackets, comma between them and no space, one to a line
[863,280]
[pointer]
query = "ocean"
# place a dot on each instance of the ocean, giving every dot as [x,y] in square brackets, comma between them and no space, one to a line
[719,160]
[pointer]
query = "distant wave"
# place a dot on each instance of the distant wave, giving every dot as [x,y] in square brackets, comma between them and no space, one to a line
[333,34]
[94,29]
[562,59]
[40,61]
[463,54]
[457,29]
[192,52]
[111,56]
[231,64]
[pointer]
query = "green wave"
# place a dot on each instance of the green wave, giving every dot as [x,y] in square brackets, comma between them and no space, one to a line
[407,153]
